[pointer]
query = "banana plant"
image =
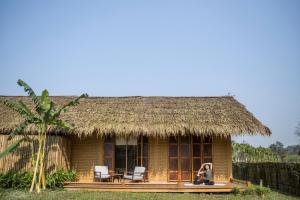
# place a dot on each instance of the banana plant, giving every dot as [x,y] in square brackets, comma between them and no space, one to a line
[44,115]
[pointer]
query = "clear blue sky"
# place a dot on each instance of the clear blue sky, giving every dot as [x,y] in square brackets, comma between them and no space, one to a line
[170,48]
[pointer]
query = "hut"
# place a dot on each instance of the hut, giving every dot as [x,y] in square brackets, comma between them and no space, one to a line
[170,136]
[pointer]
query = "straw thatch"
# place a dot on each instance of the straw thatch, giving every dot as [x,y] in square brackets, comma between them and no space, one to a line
[162,116]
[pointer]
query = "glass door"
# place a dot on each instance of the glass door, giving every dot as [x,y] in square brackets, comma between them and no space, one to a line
[125,154]
[179,159]
[186,154]
[142,159]
[109,149]
[185,158]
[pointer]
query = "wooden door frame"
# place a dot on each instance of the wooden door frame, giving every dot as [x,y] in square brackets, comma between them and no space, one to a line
[191,153]
[113,152]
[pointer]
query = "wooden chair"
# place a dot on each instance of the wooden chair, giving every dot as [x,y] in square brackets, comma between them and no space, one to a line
[101,172]
[137,175]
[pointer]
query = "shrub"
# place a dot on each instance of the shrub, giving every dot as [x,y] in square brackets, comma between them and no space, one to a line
[16,180]
[21,180]
[256,190]
[235,191]
[261,191]
[251,190]
[57,179]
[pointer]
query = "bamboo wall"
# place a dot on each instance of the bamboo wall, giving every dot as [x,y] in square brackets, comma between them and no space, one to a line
[20,160]
[222,161]
[284,177]
[86,153]
[158,159]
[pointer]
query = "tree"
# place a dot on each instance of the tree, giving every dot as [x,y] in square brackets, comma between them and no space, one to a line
[44,116]
[278,149]
[297,131]
[244,152]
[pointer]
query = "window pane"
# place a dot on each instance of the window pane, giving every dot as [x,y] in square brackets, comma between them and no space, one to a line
[145,163]
[120,157]
[173,165]
[109,139]
[196,164]
[196,139]
[185,140]
[185,164]
[185,175]
[139,161]
[173,140]
[145,139]
[108,162]
[131,157]
[207,139]
[139,150]
[208,160]
[173,151]
[207,149]
[184,150]
[196,150]
[108,149]
[173,176]
[145,150]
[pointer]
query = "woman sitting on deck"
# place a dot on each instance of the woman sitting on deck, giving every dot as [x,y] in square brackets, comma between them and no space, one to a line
[206,170]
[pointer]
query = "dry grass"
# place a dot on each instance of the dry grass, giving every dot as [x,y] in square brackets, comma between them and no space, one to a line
[161,116]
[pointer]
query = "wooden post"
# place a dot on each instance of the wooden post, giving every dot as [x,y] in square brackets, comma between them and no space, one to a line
[260,183]
[142,146]
[126,156]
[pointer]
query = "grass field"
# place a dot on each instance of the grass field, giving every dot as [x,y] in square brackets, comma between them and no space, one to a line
[63,194]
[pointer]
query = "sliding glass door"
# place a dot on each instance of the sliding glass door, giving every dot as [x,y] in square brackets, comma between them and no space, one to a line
[123,154]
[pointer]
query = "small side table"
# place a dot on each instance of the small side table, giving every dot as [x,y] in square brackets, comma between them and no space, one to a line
[117,176]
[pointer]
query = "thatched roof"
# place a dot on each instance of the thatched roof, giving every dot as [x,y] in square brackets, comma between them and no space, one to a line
[161,116]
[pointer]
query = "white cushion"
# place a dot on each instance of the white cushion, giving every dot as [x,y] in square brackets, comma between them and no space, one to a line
[127,177]
[103,176]
[138,174]
[139,170]
[103,170]
[138,177]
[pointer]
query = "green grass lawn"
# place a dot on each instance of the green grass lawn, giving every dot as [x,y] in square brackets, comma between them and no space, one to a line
[10,194]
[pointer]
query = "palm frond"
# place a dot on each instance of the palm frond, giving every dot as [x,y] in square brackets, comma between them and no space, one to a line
[45,100]
[32,94]
[62,124]
[47,115]
[25,108]
[19,128]
[11,148]
[68,105]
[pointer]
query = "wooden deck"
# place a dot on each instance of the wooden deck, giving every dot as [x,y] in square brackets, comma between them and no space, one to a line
[153,187]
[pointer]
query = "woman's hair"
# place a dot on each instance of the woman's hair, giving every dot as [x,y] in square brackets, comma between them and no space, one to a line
[207,165]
